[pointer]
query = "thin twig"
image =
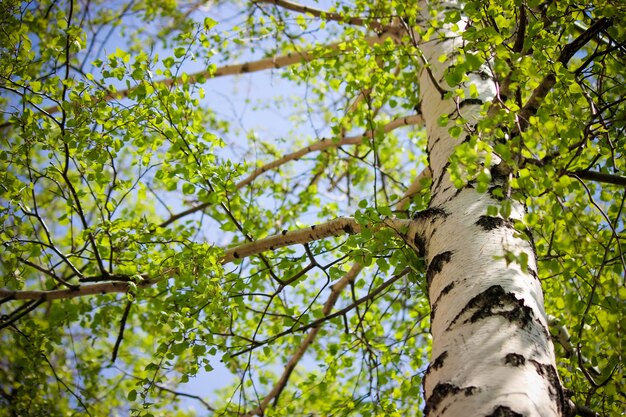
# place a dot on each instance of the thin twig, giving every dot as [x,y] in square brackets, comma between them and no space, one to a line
[120,335]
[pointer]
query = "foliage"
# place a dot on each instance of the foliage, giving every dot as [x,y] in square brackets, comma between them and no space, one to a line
[111,176]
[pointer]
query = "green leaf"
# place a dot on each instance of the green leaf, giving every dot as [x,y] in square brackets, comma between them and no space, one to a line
[188,189]
[180,52]
[168,62]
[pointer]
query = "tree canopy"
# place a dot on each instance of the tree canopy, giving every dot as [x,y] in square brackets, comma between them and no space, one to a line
[190,185]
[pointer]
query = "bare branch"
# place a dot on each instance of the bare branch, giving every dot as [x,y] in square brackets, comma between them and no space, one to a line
[120,335]
[184,394]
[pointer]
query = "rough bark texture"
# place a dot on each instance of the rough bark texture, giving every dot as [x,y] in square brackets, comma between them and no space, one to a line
[491,353]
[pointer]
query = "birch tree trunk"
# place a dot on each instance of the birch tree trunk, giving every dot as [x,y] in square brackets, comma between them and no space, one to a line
[491,350]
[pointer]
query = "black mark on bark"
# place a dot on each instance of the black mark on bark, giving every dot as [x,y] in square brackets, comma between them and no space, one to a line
[484,75]
[438,363]
[500,172]
[496,192]
[443,174]
[443,292]
[443,390]
[420,244]
[531,240]
[503,411]
[490,222]
[494,301]
[447,289]
[284,232]
[555,390]
[436,265]
[430,213]
[348,229]
[514,359]
[434,142]
[235,255]
[469,102]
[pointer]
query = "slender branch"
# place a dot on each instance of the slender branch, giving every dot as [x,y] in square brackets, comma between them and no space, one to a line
[521,30]
[571,48]
[325,15]
[24,309]
[291,58]
[612,225]
[120,335]
[599,177]
[83,290]
[280,385]
[184,394]
[319,146]
[336,227]
[371,295]
[326,144]
[542,90]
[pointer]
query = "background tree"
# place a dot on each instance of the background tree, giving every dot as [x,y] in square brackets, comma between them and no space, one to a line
[456,159]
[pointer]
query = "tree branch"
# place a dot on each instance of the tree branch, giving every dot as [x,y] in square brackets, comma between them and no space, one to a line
[49,295]
[286,60]
[336,227]
[120,335]
[184,394]
[581,410]
[324,144]
[532,105]
[325,15]
[416,186]
[599,177]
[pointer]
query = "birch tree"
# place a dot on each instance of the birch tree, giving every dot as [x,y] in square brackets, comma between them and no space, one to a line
[351,208]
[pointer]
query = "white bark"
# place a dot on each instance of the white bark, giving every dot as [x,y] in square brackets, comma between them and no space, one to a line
[491,351]
[336,227]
